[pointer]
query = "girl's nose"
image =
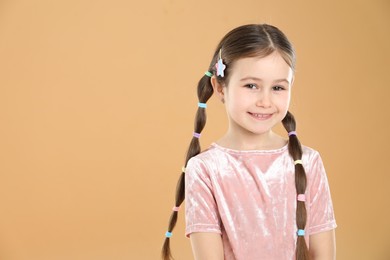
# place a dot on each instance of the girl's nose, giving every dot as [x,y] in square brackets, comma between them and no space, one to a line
[263,99]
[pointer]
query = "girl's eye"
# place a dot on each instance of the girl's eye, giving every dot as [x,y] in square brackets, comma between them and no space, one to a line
[251,86]
[277,88]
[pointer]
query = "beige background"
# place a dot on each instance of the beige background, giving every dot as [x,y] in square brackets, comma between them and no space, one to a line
[97,100]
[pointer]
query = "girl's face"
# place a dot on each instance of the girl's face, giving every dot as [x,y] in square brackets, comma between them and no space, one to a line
[257,96]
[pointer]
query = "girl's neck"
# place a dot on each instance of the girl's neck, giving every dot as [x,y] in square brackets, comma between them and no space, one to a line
[266,141]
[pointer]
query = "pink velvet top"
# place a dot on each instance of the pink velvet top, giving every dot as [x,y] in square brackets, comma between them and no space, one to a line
[249,198]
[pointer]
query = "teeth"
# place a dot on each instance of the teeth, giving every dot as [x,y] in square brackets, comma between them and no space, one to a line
[260,115]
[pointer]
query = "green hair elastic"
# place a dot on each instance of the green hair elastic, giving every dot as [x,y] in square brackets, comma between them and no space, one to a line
[208,74]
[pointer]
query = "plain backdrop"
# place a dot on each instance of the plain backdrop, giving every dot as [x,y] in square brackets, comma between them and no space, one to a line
[97,102]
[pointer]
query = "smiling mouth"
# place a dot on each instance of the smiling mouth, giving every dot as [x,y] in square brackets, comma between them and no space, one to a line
[260,116]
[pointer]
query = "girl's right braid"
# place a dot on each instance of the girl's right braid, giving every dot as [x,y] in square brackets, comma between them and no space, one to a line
[295,150]
[204,91]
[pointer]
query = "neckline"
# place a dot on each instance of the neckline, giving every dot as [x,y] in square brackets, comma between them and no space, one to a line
[233,151]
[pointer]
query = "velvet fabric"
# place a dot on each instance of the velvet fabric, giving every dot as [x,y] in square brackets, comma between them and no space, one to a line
[249,198]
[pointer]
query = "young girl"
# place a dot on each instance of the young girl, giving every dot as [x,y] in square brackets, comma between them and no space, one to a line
[254,194]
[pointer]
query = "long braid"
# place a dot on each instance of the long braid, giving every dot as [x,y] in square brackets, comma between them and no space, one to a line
[295,150]
[205,91]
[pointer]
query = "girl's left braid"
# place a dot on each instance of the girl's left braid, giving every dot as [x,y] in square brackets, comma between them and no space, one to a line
[205,91]
[295,150]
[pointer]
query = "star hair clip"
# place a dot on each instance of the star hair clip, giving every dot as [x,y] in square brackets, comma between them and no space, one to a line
[220,66]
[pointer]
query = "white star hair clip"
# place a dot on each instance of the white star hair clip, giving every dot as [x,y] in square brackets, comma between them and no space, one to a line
[220,66]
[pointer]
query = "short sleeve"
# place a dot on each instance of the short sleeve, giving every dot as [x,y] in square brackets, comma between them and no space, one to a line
[201,209]
[321,216]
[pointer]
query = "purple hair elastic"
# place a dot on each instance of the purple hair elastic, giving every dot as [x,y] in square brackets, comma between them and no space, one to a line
[176,208]
[292,133]
[197,135]
[301,197]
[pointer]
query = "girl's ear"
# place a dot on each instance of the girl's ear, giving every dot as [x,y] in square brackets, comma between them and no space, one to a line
[218,88]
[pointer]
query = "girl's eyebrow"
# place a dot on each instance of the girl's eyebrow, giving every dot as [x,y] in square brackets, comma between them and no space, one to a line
[258,79]
[250,78]
[282,80]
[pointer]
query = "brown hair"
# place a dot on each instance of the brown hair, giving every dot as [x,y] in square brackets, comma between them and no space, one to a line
[253,40]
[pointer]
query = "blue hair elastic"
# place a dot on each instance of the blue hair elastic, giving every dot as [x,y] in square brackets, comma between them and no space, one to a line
[202,105]
[301,232]
[208,74]
[168,234]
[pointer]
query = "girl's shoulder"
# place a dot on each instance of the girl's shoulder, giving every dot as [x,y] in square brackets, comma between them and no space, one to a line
[211,153]
[309,153]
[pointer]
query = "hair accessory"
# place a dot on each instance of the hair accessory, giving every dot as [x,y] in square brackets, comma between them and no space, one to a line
[208,74]
[220,66]
[175,208]
[298,162]
[301,197]
[197,135]
[292,133]
[168,234]
[202,105]
[183,169]
[301,232]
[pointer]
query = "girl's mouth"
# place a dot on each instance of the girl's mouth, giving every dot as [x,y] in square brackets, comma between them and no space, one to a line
[261,116]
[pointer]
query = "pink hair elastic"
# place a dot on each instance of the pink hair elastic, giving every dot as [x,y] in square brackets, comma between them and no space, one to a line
[176,208]
[292,133]
[197,135]
[301,197]
[297,162]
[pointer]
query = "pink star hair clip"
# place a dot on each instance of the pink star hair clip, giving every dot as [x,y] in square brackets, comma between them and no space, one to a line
[220,66]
